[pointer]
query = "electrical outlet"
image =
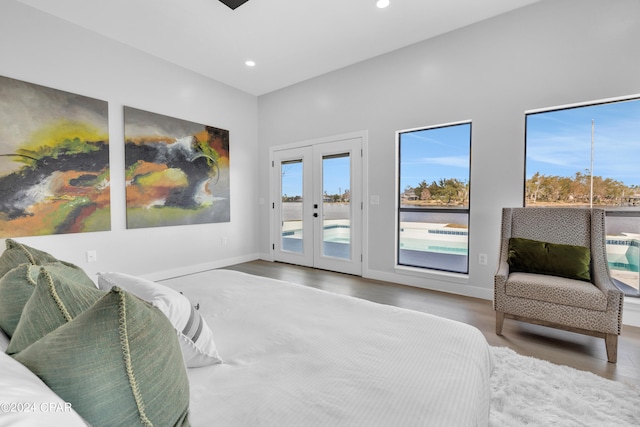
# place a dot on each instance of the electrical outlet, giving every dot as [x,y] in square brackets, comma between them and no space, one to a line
[223,241]
[482,259]
[92,256]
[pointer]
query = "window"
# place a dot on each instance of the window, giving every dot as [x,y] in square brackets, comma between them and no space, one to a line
[433,197]
[588,156]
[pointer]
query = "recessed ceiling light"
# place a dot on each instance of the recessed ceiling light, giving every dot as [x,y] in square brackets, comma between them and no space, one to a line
[382,3]
[250,63]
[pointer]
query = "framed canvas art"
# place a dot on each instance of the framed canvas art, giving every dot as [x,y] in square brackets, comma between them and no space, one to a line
[54,161]
[177,172]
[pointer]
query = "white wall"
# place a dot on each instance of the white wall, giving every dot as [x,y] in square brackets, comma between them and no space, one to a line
[41,49]
[555,52]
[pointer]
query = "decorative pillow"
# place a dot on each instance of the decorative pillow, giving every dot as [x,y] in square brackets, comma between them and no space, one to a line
[56,300]
[117,364]
[16,287]
[195,336]
[533,256]
[27,401]
[4,342]
[17,253]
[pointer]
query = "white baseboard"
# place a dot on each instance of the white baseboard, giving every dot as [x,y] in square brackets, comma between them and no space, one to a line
[266,256]
[190,269]
[631,312]
[450,287]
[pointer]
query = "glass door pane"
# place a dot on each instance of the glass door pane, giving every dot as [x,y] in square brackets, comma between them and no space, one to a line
[336,206]
[317,205]
[291,206]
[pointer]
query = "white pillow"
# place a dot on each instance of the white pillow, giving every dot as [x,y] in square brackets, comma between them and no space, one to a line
[195,336]
[28,402]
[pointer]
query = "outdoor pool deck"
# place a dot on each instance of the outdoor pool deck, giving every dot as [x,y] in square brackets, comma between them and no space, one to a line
[439,246]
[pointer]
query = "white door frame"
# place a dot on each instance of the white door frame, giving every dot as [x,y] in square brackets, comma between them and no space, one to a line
[363,136]
[306,156]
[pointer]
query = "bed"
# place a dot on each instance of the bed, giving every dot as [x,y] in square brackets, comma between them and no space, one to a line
[297,356]
[290,355]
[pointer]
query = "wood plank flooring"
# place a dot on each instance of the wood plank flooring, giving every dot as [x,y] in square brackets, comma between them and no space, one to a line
[565,348]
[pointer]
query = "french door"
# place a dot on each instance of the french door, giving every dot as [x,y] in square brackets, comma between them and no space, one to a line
[318,205]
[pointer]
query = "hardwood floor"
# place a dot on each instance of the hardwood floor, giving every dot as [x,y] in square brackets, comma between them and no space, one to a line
[565,348]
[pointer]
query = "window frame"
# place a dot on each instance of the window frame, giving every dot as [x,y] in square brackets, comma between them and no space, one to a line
[610,211]
[417,269]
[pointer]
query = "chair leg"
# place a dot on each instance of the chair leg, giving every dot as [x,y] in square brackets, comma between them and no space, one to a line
[500,321]
[611,341]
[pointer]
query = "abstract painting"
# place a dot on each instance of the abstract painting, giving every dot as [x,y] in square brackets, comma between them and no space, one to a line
[54,161]
[177,172]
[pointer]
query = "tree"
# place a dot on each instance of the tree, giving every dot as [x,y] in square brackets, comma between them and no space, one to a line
[449,191]
[577,189]
[419,189]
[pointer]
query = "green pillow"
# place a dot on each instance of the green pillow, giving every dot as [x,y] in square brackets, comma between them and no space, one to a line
[17,253]
[17,285]
[533,256]
[56,300]
[118,364]
[16,288]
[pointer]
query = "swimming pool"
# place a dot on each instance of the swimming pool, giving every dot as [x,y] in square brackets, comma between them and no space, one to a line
[623,251]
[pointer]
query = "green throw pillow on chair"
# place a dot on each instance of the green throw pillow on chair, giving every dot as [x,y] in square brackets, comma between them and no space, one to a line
[533,256]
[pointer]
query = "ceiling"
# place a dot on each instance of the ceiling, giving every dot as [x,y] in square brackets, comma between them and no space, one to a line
[290,40]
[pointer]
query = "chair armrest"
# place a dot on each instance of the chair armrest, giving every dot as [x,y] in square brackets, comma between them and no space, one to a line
[601,278]
[502,272]
[503,269]
[501,275]
[615,296]
[500,284]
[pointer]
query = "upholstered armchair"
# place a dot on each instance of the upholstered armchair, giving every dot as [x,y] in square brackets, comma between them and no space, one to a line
[584,299]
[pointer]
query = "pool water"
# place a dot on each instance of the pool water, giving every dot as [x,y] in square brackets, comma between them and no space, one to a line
[623,252]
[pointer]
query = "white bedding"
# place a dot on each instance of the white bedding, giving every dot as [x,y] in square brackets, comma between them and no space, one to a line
[298,356]
[26,401]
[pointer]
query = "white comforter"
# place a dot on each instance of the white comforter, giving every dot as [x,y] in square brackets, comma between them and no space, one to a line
[298,356]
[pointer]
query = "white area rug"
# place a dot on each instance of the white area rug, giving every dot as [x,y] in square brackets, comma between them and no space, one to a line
[533,392]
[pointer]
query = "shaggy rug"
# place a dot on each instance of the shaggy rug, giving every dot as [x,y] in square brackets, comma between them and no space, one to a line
[531,392]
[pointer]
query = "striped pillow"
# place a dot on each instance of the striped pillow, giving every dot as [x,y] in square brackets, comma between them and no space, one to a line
[195,336]
[193,328]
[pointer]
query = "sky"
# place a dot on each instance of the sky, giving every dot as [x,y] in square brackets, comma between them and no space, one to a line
[434,154]
[559,142]
[292,179]
[335,176]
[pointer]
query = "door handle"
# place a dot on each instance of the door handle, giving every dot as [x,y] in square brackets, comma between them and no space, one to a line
[315,215]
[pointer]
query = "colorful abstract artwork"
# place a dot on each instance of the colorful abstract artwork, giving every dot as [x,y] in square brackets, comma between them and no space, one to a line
[54,161]
[177,172]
